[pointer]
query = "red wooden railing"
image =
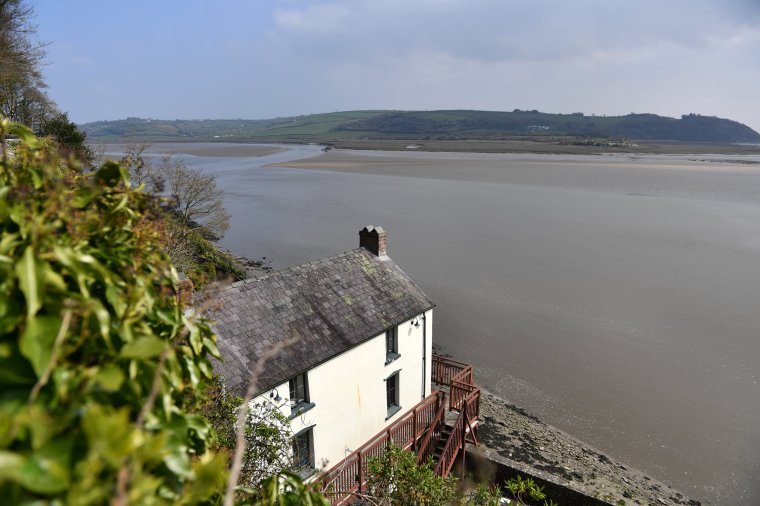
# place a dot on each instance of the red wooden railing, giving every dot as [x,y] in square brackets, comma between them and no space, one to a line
[350,476]
[419,429]
[464,397]
[426,448]
[445,369]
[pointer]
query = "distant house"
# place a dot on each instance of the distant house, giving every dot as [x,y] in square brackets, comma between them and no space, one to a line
[361,362]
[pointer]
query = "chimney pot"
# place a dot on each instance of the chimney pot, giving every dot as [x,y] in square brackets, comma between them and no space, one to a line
[373,240]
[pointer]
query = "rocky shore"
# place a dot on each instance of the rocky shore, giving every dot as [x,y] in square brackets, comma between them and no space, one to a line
[520,438]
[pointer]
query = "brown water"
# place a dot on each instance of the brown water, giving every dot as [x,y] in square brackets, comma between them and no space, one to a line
[617,299]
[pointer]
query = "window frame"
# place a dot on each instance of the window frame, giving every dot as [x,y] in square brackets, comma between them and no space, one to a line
[393,384]
[304,470]
[299,405]
[391,345]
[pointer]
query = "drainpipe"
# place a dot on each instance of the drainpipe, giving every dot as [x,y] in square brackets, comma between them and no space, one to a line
[424,351]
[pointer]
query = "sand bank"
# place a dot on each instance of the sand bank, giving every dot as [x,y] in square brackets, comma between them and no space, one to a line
[654,175]
[427,164]
[206,149]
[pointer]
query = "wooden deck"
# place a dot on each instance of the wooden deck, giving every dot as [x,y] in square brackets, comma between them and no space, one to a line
[422,429]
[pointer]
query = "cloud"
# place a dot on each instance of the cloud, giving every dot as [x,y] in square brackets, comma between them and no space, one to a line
[254,59]
[498,30]
[605,57]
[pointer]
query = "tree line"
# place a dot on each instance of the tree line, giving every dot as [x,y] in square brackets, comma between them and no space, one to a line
[23,96]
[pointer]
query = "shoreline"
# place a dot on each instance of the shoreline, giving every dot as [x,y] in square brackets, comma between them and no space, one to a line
[523,146]
[524,441]
[209,149]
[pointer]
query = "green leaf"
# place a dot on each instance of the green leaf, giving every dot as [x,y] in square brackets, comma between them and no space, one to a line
[7,241]
[144,347]
[36,342]
[30,276]
[11,314]
[14,370]
[10,463]
[210,477]
[211,347]
[192,369]
[109,434]
[104,320]
[109,378]
[196,342]
[43,472]
[25,134]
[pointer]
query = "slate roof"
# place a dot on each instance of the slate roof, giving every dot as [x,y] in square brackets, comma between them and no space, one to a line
[332,304]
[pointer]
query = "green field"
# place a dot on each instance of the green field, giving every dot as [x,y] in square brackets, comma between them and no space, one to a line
[449,125]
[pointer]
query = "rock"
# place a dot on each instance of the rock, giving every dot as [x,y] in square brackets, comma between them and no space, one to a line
[627,494]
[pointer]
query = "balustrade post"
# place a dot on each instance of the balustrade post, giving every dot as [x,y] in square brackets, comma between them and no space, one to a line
[414,430]
[464,435]
[361,471]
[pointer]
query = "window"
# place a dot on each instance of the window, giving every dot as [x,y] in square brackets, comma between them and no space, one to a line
[303,452]
[391,391]
[299,395]
[391,345]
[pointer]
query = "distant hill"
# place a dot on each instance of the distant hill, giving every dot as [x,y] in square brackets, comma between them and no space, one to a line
[443,125]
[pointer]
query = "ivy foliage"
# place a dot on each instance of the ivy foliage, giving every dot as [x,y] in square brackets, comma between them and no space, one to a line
[96,355]
[395,478]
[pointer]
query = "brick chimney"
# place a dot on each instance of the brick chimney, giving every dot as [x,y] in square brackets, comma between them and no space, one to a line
[373,240]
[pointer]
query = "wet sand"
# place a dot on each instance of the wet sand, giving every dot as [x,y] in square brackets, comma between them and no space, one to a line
[204,149]
[516,168]
[528,444]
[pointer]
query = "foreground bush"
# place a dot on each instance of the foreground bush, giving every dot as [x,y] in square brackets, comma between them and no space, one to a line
[96,355]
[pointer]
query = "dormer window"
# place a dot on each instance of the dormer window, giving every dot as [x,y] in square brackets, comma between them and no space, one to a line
[391,345]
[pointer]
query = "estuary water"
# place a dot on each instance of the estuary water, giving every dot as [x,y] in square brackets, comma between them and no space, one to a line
[615,297]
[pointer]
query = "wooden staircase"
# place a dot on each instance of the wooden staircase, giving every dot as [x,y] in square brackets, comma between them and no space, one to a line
[442,440]
[464,400]
[423,430]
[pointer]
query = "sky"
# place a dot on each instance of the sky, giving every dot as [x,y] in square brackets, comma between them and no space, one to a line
[254,59]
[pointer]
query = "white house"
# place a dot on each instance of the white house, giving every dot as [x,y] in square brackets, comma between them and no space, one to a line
[362,352]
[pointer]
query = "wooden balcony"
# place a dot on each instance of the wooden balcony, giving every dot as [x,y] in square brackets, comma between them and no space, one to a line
[423,430]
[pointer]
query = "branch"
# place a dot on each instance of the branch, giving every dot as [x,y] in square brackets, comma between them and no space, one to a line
[53,357]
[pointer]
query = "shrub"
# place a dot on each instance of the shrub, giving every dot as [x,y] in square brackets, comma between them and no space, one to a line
[96,355]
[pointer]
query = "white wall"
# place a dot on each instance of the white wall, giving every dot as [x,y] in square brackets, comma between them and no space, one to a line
[349,393]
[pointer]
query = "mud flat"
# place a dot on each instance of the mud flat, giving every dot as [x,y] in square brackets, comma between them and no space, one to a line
[524,441]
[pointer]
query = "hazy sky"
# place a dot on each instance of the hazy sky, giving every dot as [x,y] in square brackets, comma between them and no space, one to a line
[254,59]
